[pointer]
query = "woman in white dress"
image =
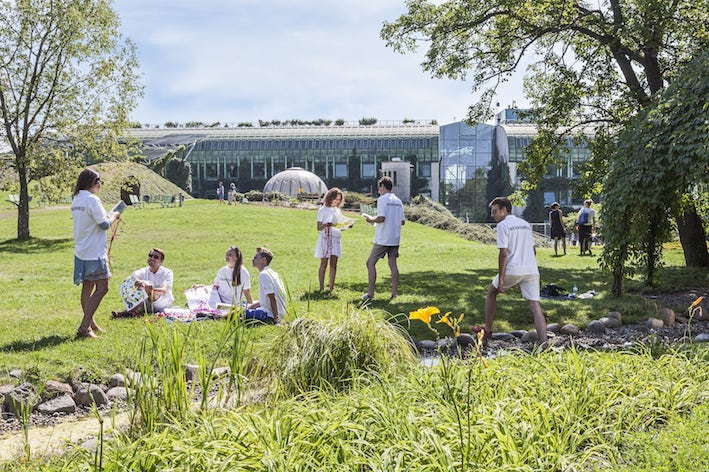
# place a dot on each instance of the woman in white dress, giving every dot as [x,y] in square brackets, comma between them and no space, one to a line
[233,281]
[329,247]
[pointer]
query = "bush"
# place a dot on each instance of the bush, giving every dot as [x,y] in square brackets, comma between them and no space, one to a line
[254,195]
[322,354]
[353,200]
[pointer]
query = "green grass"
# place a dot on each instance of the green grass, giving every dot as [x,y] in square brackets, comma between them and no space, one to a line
[40,310]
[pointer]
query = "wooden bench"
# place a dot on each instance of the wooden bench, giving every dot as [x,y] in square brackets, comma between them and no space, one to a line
[135,201]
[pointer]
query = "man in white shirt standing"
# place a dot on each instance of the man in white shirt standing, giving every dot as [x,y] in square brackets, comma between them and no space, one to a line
[517,265]
[387,235]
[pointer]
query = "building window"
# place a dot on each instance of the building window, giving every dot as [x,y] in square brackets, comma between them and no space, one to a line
[424,169]
[341,171]
[369,170]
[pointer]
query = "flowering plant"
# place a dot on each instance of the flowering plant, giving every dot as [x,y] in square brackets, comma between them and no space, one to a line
[425,314]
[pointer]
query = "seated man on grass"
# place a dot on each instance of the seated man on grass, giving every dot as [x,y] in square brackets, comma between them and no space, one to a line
[271,305]
[156,281]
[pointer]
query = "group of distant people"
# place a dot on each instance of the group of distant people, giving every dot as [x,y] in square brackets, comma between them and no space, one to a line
[91,270]
[517,264]
[223,197]
[585,225]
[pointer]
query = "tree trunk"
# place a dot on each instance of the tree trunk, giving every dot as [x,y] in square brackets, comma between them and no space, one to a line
[693,238]
[23,209]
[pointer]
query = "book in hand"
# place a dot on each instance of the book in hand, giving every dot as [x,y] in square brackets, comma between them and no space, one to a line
[120,207]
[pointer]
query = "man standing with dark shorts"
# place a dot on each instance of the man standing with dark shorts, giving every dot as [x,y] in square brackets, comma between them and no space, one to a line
[387,234]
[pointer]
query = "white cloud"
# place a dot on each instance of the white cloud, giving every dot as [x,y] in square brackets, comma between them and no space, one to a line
[245,60]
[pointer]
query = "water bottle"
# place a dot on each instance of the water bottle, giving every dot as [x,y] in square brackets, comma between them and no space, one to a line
[576,290]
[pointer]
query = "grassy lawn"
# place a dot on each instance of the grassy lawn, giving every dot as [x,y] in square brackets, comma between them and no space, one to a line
[40,309]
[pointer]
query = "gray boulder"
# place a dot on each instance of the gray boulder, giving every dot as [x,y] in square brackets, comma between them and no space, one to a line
[20,398]
[61,404]
[53,389]
[570,330]
[554,327]
[596,326]
[117,393]
[117,380]
[529,337]
[702,338]
[87,396]
[610,323]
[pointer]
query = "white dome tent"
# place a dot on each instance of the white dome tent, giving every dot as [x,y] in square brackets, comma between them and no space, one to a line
[294,181]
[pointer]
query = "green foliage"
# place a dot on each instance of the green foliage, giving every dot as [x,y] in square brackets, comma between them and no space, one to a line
[354,200]
[660,166]
[179,172]
[593,69]
[68,82]
[367,121]
[316,354]
[570,411]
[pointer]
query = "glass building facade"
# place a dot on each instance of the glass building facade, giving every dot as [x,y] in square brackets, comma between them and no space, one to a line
[348,157]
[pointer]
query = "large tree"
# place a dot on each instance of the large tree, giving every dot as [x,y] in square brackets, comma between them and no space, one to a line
[595,65]
[67,82]
[661,169]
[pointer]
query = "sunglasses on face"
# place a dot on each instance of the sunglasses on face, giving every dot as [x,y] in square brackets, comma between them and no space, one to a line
[153,255]
[98,181]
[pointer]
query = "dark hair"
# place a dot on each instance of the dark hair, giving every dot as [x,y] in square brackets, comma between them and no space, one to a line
[332,194]
[555,205]
[159,251]
[386,182]
[86,180]
[502,202]
[236,274]
[265,253]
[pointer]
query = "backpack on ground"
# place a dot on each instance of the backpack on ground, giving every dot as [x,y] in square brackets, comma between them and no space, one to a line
[553,290]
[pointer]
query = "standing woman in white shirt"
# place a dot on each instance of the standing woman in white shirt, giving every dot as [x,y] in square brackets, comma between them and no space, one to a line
[90,248]
[233,281]
[329,246]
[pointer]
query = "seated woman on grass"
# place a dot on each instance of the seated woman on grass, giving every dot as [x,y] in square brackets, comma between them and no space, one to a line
[233,282]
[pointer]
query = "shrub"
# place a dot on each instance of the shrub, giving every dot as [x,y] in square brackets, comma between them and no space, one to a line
[353,200]
[323,354]
[254,195]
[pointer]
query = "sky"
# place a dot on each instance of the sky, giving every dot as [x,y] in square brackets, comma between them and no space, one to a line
[231,61]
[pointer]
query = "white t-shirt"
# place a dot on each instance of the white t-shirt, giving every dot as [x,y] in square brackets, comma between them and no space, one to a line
[515,235]
[388,233]
[162,278]
[226,290]
[90,225]
[270,282]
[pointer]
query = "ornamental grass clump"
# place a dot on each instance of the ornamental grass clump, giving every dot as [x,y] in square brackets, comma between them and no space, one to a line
[331,354]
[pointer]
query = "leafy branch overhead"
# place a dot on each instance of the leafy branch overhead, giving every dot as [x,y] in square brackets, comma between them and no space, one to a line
[593,66]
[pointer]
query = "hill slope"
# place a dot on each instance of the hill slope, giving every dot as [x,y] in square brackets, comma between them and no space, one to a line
[115,173]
